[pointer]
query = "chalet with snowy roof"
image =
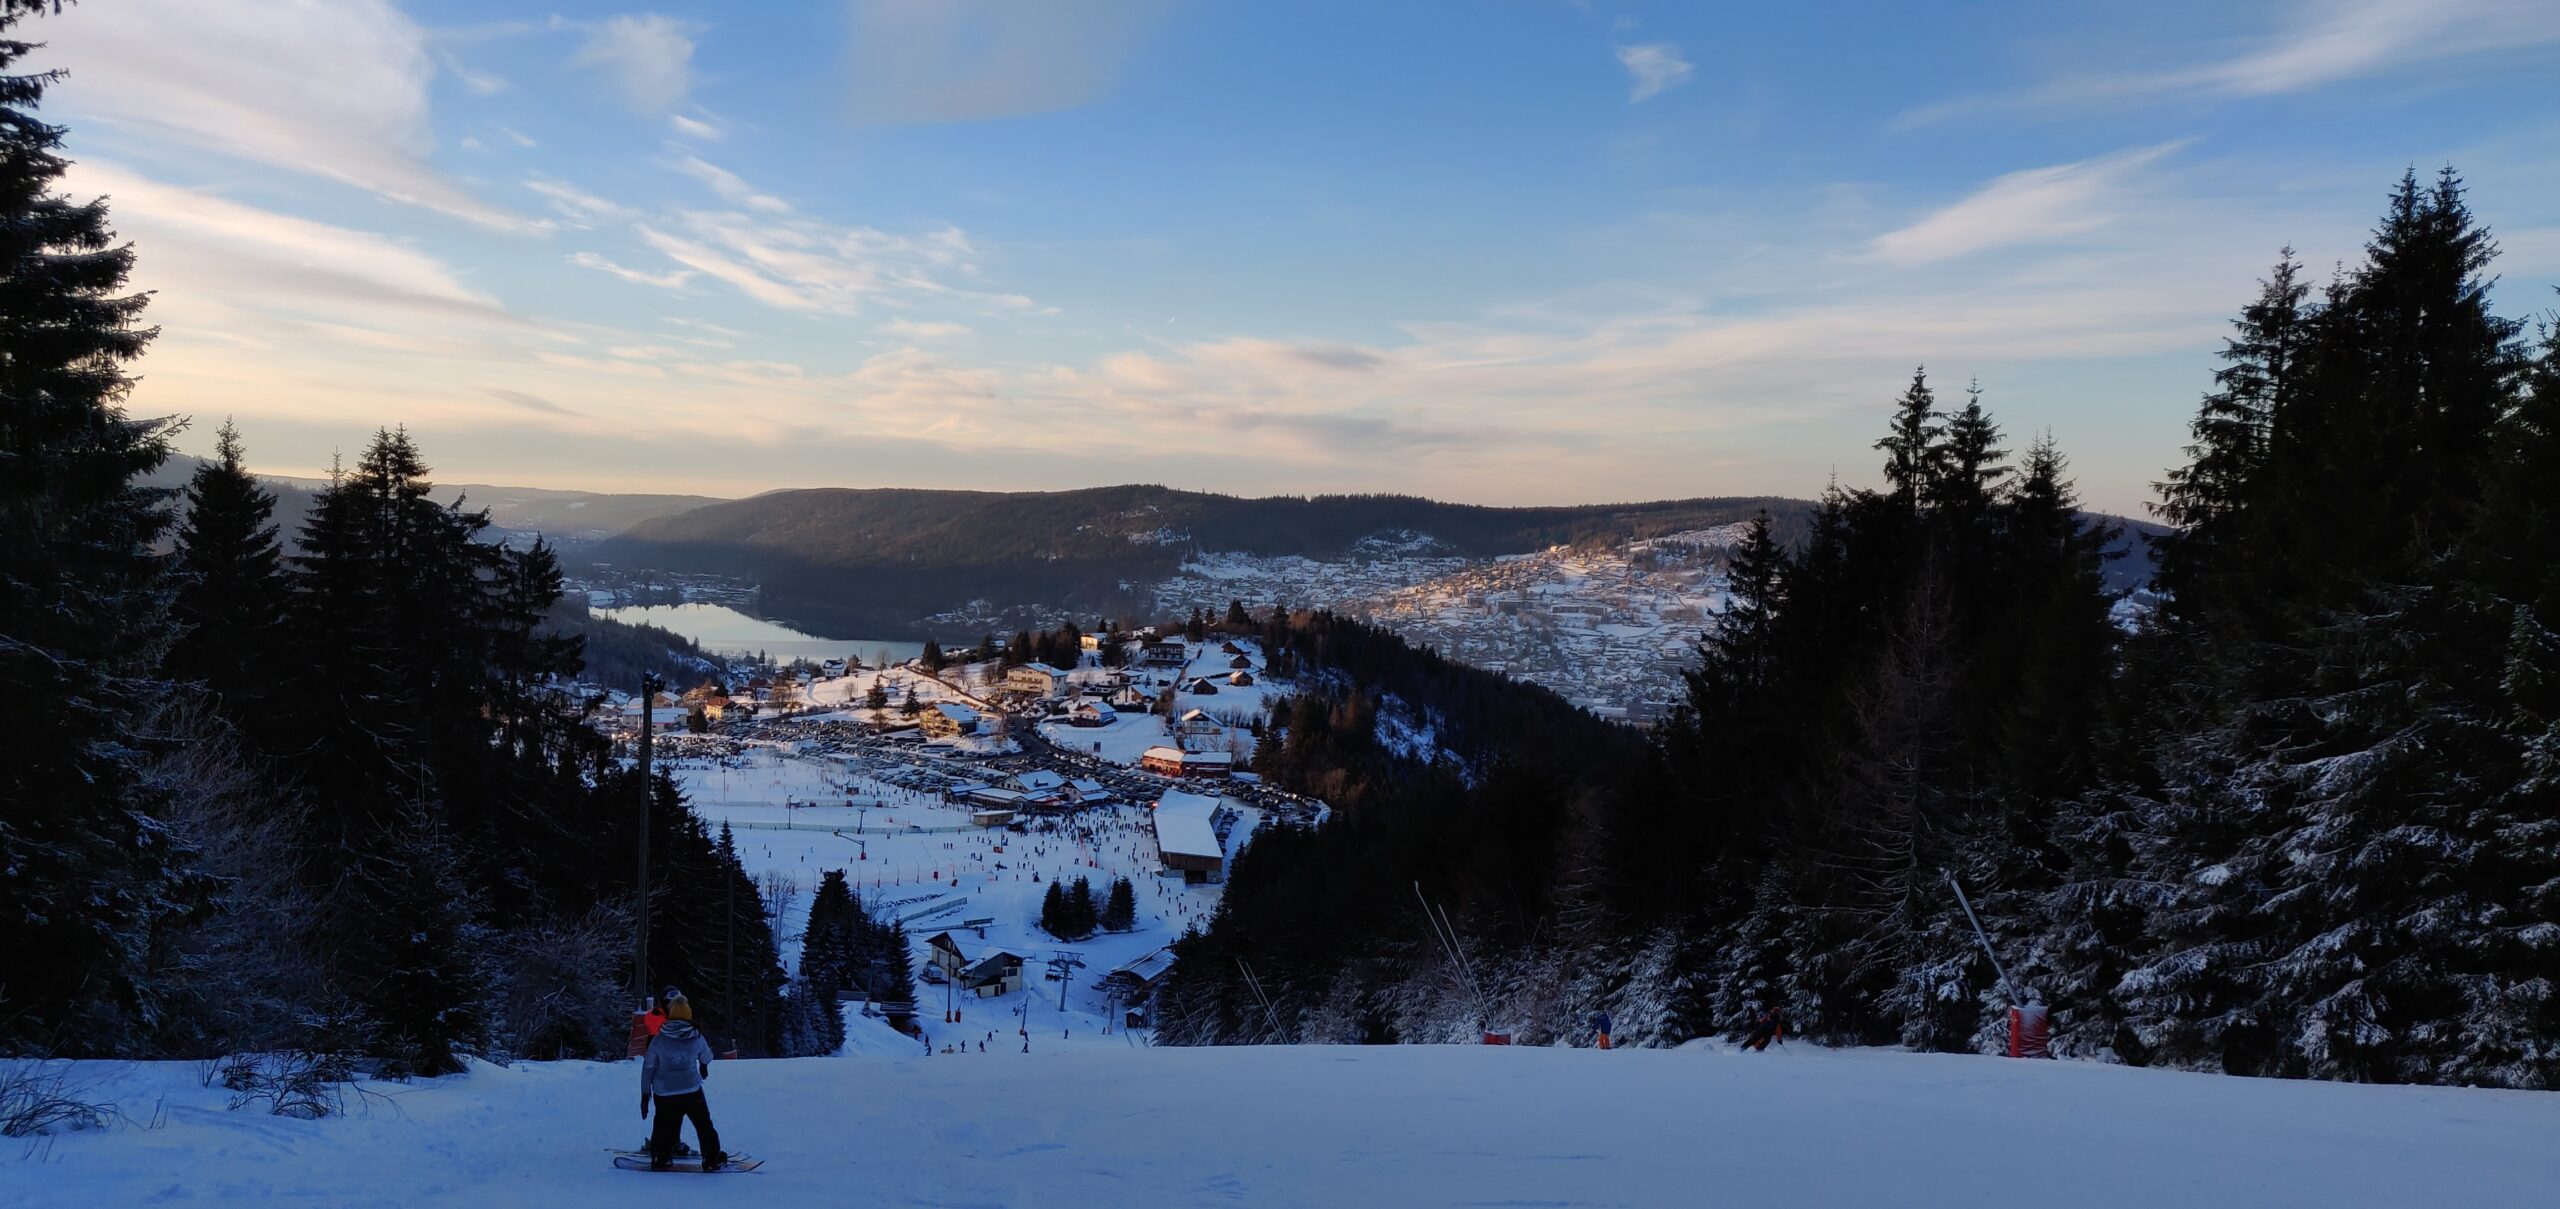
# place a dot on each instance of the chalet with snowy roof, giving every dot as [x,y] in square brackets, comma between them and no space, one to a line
[1186,826]
[1200,686]
[1240,663]
[1136,982]
[1164,654]
[1175,762]
[1037,679]
[661,718]
[1240,679]
[1092,711]
[948,720]
[983,970]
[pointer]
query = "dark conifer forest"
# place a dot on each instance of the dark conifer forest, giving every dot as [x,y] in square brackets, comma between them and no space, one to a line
[2301,818]
[335,801]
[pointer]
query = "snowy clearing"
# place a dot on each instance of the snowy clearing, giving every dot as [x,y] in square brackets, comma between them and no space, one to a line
[1398,1125]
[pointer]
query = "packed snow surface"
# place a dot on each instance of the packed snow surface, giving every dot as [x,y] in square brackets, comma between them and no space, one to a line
[1096,1124]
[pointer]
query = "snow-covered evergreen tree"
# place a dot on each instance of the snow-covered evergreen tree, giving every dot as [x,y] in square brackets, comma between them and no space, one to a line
[87,873]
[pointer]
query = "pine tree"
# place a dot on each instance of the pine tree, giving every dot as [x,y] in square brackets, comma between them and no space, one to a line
[898,981]
[90,873]
[230,587]
[1054,915]
[1969,466]
[932,657]
[427,977]
[1911,447]
[1082,912]
[2259,377]
[828,948]
[1120,912]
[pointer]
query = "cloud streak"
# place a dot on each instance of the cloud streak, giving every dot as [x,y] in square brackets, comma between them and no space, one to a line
[2030,206]
[2322,42]
[336,91]
[1653,68]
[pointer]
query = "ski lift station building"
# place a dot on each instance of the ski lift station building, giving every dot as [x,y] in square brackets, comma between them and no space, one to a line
[1187,835]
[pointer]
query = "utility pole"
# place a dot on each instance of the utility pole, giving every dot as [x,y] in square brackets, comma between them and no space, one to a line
[729,954]
[649,686]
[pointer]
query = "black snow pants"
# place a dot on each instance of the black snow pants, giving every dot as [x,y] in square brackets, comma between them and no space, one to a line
[672,1111]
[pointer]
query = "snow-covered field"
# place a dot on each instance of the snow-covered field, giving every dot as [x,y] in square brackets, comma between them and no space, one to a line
[906,852]
[1390,1126]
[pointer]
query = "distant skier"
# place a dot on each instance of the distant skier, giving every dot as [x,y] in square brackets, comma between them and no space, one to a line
[672,1072]
[1770,1025]
[1600,1027]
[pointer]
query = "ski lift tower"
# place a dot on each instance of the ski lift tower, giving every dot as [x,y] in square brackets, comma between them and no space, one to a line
[1063,967]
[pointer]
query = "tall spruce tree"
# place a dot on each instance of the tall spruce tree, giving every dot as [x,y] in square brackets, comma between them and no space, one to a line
[86,872]
[230,587]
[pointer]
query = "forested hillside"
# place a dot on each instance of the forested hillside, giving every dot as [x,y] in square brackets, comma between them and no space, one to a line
[2304,821]
[863,561]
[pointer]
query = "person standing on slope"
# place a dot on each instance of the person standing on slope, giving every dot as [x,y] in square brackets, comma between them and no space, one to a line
[672,1072]
[1770,1025]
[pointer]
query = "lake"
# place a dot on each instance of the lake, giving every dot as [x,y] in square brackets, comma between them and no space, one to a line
[726,631]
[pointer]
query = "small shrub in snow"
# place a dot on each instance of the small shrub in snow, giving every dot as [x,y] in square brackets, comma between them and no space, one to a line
[36,1098]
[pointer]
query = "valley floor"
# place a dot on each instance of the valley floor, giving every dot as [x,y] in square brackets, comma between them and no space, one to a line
[1388,1126]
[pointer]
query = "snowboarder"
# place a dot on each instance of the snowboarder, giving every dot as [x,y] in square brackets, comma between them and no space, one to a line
[1600,1027]
[1766,1027]
[672,1073]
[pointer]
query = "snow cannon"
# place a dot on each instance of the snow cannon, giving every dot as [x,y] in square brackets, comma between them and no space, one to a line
[2029,1030]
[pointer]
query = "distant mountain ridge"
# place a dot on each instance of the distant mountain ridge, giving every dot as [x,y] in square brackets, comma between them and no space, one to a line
[873,561]
[565,518]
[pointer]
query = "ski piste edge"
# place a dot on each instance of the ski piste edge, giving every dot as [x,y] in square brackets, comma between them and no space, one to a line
[640,1162]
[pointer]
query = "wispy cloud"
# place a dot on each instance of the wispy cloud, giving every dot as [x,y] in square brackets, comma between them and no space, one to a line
[274,258]
[912,329]
[2320,42]
[706,127]
[2030,206]
[576,205]
[729,186]
[529,402]
[648,56]
[671,279]
[478,83]
[1652,69]
[965,60]
[337,91]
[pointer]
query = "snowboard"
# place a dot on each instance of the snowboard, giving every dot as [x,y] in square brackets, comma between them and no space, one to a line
[640,1162]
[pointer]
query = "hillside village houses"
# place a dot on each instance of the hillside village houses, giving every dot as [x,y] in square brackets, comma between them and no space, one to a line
[1175,762]
[982,970]
[1092,711]
[1164,654]
[1197,731]
[1037,679]
[948,720]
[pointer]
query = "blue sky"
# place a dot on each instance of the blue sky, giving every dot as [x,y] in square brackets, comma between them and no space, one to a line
[1502,252]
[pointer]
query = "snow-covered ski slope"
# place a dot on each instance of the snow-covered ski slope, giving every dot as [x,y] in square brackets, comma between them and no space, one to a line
[1338,1127]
